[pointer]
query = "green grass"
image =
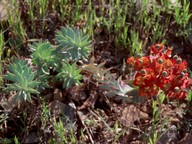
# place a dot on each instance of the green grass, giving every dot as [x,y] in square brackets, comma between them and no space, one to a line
[18,33]
[1,56]
[150,21]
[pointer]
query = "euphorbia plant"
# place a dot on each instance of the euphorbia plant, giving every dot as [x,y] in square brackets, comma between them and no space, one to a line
[23,80]
[72,45]
[160,71]
[51,64]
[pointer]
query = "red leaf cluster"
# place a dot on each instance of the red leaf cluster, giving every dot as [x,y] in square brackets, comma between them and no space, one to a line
[160,70]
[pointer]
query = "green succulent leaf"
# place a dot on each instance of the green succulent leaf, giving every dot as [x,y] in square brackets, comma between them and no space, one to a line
[72,44]
[10,77]
[13,87]
[22,96]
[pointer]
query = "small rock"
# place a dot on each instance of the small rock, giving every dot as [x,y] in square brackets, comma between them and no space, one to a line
[31,138]
[3,11]
[10,103]
[169,136]
[58,108]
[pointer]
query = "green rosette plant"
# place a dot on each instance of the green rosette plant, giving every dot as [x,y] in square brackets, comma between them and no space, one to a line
[23,80]
[43,57]
[72,44]
[69,75]
[42,54]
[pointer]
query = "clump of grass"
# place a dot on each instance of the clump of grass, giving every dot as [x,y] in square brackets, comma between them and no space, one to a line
[1,55]
[157,119]
[150,20]
[16,27]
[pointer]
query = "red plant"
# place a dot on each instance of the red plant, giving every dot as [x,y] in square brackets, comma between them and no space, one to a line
[160,70]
